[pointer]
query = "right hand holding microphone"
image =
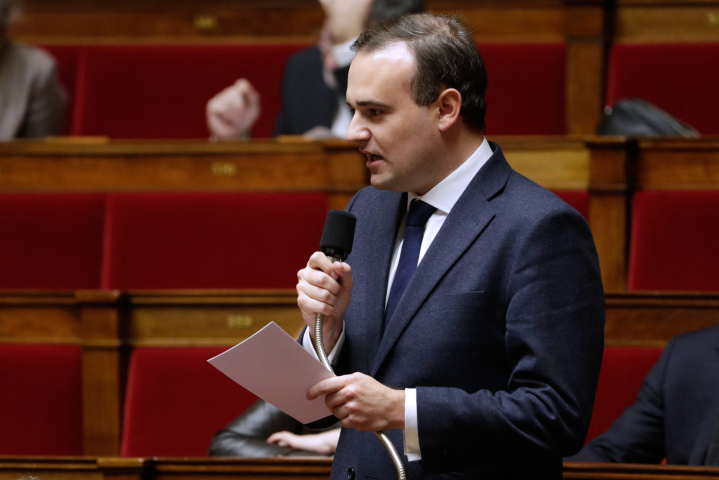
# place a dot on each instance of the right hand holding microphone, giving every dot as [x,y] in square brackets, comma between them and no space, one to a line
[324,287]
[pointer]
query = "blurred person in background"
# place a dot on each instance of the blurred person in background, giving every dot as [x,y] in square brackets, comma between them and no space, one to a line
[315,79]
[32,101]
[265,431]
[676,413]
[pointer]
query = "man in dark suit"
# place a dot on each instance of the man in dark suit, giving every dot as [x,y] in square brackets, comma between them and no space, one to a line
[468,320]
[676,412]
[315,79]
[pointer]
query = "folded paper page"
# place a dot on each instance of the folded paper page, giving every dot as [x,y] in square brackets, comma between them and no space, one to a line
[273,366]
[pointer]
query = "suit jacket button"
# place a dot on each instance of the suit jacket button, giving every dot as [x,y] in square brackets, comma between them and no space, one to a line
[350,474]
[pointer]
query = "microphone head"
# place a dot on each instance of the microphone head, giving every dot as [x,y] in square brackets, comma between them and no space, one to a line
[339,233]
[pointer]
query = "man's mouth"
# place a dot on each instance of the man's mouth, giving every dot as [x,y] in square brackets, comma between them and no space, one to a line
[371,157]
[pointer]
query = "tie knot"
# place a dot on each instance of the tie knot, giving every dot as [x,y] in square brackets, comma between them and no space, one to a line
[419,213]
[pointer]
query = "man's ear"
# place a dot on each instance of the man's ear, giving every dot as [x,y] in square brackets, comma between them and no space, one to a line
[449,104]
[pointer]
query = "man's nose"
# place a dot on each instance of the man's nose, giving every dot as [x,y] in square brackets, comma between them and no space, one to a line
[357,133]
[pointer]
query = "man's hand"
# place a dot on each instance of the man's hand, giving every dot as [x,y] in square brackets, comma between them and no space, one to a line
[347,18]
[361,402]
[232,112]
[324,287]
[324,443]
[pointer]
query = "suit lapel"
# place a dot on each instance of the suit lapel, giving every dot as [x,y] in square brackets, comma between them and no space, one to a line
[468,218]
[383,234]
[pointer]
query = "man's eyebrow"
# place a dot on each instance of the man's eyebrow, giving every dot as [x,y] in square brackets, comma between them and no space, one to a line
[370,103]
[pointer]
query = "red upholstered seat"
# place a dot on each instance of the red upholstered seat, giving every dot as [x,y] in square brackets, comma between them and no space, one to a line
[526,93]
[66,57]
[51,241]
[41,400]
[681,79]
[176,402]
[622,374]
[578,199]
[675,239]
[210,240]
[160,91]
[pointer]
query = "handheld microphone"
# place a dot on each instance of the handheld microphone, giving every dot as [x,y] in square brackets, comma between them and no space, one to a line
[337,238]
[336,243]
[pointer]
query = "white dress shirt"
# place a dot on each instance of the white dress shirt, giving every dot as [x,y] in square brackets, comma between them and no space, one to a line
[443,197]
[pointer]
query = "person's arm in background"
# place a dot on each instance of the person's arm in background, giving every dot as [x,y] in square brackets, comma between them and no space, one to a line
[638,435]
[248,435]
[232,113]
[46,109]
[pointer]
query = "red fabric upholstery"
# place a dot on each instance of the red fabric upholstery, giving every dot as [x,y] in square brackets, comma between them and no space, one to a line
[176,402]
[41,400]
[160,91]
[674,241]
[66,57]
[51,241]
[578,199]
[681,79]
[623,371]
[210,240]
[526,93]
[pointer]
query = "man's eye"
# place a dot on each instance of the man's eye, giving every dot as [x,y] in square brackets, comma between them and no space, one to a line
[352,111]
[374,112]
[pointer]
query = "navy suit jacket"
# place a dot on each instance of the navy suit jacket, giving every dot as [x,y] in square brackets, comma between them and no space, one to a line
[500,330]
[675,411]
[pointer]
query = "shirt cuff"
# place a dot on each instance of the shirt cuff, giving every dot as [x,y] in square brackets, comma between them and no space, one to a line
[332,357]
[411,430]
[343,54]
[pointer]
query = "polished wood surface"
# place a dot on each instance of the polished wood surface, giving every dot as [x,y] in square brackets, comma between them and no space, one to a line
[78,165]
[113,468]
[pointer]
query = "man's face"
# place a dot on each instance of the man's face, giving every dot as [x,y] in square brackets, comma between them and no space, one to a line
[400,139]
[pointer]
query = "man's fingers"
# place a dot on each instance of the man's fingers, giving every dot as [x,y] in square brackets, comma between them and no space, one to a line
[324,387]
[319,261]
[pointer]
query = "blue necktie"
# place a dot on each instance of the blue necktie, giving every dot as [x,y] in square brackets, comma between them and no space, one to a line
[419,213]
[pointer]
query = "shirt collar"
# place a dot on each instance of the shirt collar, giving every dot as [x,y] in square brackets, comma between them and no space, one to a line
[446,193]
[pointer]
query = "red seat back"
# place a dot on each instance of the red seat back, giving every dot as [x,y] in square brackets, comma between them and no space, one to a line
[681,79]
[51,241]
[674,241]
[526,93]
[41,400]
[622,374]
[210,240]
[176,402]
[67,57]
[577,199]
[160,91]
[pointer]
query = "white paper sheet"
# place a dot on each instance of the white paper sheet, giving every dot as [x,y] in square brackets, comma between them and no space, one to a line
[276,368]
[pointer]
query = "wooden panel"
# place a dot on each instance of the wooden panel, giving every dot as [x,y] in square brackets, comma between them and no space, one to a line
[653,319]
[103,372]
[336,168]
[668,22]
[35,317]
[215,469]
[601,471]
[608,204]
[556,163]
[249,20]
[45,468]
[679,164]
[208,318]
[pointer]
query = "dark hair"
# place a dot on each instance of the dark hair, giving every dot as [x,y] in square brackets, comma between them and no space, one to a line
[385,9]
[446,56]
